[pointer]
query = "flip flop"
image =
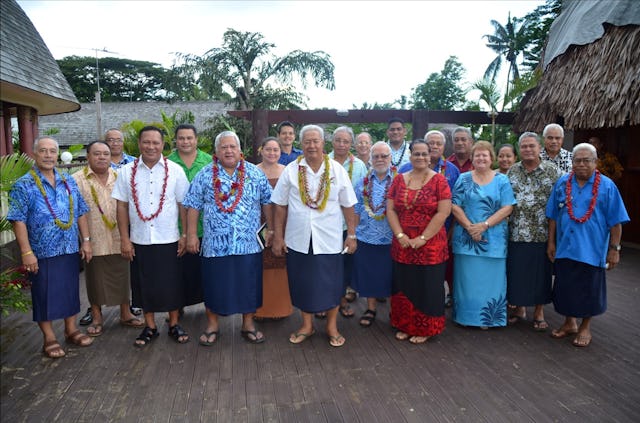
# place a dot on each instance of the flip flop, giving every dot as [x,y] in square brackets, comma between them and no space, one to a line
[581,341]
[401,336]
[132,323]
[251,336]
[207,335]
[97,330]
[540,325]
[561,333]
[321,315]
[418,339]
[51,347]
[78,338]
[336,340]
[346,311]
[293,338]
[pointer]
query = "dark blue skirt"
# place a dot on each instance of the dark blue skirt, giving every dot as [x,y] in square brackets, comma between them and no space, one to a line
[315,280]
[232,284]
[372,270]
[55,289]
[529,274]
[579,290]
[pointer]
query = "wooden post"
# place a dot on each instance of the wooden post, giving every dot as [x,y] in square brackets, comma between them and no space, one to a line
[6,144]
[420,123]
[25,130]
[259,130]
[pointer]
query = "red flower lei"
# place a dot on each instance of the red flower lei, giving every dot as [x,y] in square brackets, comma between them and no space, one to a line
[237,187]
[134,191]
[367,191]
[592,204]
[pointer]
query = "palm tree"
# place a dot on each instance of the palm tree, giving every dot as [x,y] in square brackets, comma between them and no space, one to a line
[509,41]
[245,69]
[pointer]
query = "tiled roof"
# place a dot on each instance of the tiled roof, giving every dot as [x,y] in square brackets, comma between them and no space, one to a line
[28,72]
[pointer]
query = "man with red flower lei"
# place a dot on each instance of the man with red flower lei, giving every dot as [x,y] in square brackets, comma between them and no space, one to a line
[150,191]
[586,213]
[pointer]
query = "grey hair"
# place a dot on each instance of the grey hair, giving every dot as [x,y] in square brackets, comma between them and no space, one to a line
[553,126]
[528,135]
[308,128]
[224,134]
[367,134]
[386,145]
[435,132]
[45,137]
[585,146]
[463,129]
[346,129]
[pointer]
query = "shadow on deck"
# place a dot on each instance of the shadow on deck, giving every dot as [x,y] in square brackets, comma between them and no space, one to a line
[502,375]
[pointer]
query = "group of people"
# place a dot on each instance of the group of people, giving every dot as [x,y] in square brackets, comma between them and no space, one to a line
[307,229]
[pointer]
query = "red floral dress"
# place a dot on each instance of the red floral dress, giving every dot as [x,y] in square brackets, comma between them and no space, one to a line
[415,209]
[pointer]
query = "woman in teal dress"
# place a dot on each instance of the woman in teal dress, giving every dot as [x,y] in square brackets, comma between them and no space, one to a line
[482,201]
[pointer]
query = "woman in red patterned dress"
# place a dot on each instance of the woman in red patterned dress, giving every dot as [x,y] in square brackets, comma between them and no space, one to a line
[418,204]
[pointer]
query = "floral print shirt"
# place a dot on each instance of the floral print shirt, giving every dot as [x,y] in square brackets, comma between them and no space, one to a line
[563,160]
[528,222]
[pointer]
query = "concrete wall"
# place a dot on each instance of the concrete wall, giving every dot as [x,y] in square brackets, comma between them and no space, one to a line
[80,127]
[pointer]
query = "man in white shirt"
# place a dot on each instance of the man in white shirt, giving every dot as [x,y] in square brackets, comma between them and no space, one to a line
[150,191]
[314,195]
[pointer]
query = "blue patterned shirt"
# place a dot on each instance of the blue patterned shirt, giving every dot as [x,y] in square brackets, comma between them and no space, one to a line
[370,230]
[125,159]
[285,158]
[27,205]
[227,234]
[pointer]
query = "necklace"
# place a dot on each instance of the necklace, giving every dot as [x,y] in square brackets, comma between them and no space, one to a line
[350,171]
[406,192]
[237,187]
[58,222]
[443,167]
[375,212]
[134,191]
[323,189]
[592,204]
[404,148]
[94,195]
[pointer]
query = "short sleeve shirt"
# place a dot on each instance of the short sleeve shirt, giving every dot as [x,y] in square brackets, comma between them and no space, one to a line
[563,160]
[371,230]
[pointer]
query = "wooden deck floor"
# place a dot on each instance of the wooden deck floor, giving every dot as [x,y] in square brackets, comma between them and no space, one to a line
[503,375]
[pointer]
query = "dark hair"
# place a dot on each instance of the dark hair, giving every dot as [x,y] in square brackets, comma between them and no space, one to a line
[285,123]
[92,143]
[266,140]
[513,149]
[185,126]
[393,120]
[151,128]
[419,141]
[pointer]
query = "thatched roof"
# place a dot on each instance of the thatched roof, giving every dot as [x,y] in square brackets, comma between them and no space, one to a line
[592,86]
[29,74]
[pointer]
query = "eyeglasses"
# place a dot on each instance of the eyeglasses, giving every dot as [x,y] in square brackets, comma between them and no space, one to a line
[419,154]
[114,140]
[380,156]
[585,161]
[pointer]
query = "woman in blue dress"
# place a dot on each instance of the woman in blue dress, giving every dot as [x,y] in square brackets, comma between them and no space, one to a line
[482,200]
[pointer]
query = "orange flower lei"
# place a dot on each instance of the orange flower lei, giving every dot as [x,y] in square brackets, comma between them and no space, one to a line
[94,195]
[58,222]
[237,187]
[323,189]
[134,191]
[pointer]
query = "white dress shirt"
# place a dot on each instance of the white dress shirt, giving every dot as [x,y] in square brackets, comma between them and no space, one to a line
[164,228]
[324,228]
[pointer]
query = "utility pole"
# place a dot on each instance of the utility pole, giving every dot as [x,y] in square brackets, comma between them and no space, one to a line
[98,99]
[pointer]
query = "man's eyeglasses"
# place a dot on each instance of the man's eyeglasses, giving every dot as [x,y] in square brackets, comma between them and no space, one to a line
[380,156]
[585,161]
[114,140]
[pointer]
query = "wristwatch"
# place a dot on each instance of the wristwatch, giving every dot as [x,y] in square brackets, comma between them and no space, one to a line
[616,247]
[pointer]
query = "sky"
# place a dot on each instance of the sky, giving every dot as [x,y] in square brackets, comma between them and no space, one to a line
[380,49]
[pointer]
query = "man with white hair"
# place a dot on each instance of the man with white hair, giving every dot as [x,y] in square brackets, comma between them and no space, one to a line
[553,135]
[586,213]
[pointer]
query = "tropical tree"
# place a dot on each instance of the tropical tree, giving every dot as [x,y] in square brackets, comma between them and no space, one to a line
[120,79]
[441,91]
[509,42]
[247,72]
[538,23]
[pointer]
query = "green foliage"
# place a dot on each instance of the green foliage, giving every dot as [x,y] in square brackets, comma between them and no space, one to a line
[244,70]
[120,79]
[441,91]
[539,22]
[52,131]
[14,294]
[75,149]
[221,123]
